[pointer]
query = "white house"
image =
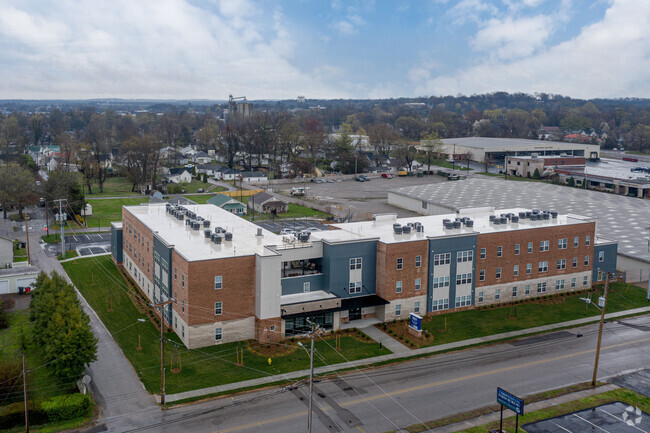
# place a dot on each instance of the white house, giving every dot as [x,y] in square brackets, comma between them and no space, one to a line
[178,175]
[201,158]
[254,176]
[226,173]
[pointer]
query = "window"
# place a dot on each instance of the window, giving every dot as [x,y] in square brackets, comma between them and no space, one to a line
[218,334]
[561,264]
[418,261]
[515,270]
[542,266]
[183,305]
[497,294]
[499,251]
[586,260]
[483,253]
[601,256]
[398,287]
[480,296]
[183,280]
[527,289]
[441,259]
[541,287]
[416,307]
[576,242]
[529,268]
[587,240]
[543,246]
[573,282]
[183,331]
[218,282]
[463,278]
[175,274]
[355,287]
[463,301]
[218,308]
[464,256]
[398,309]
[562,244]
[439,304]
[306,287]
[418,284]
[355,263]
[559,284]
[400,263]
[585,280]
[575,262]
[530,247]
[481,275]
[440,282]
[424,205]
[514,291]
[516,249]
[498,272]
[175,322]
[147,246]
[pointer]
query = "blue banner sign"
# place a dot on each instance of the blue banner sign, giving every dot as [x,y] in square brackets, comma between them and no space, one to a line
[416,322]
[510,401]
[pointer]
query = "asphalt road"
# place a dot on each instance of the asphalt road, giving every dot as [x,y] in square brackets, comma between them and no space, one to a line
[84,244]
[393,397]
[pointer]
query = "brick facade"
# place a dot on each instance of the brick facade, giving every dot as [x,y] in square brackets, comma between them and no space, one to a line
[388,275]
[263,330]
[138,243]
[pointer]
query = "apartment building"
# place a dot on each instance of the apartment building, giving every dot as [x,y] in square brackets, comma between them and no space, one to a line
[232,280]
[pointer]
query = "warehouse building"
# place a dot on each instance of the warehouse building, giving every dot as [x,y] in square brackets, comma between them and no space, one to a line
[231,280]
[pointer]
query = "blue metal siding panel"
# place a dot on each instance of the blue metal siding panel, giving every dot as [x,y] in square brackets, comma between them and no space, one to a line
[609,263]
[165,253]
[294,285]
[451,245]
[336,267]
[116,245]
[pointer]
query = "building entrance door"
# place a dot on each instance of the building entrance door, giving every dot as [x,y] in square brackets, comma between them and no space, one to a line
[355,314]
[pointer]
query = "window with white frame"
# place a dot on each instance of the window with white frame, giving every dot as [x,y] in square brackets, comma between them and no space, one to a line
[183,331]
[464,278]
[497,294]
[355,287]
[543,246]
[480,296]
[440,282]
[416,307]
[398,287]
[175,322]
[481,275]
[562,244]
[561,264]
[355,263]
[585,280]
[575,262]
[498,273]
[483,253]
[542,267]
[516,249]
[218,308]
[418,284]
[541,287]
[441,259]
[400,264]
[515,270]
[464,256]
[514,291]
[527,289]
[559,284]
[576,241]
[218,282]
[218,334]
[418,261]
[601,256]
[529,268]
[586,260]
[530,247]
[587,240]
[183,280]
[398,309]
[175,274]
[463,301]
[306,287]
[440,304]
[573,282]
[499,251]
[183,306]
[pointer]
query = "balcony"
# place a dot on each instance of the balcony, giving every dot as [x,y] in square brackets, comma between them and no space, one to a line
[300,268]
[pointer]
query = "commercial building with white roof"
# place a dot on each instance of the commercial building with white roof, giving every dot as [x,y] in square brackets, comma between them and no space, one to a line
[232,280]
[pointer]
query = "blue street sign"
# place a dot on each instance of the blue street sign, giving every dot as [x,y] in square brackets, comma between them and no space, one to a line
[416,322]
[510,401]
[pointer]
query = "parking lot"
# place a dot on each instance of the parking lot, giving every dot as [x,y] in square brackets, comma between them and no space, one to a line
[84,244]
[359,198]
[614,417]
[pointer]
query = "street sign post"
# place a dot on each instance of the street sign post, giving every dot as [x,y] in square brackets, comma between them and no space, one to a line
[512,402]
[416,322]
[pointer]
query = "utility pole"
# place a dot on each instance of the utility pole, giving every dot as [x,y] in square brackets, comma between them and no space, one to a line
[47,219]
[161,305]
[25,396]
[29,259]
[600,330]
[61,217]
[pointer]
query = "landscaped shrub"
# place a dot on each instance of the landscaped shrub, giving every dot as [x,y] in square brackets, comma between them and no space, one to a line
[13,415]
[64,407]
[4,319]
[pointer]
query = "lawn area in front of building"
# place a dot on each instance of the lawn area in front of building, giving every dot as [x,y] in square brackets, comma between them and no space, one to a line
[546,310]
[108,293]
[108,210]
[295,211]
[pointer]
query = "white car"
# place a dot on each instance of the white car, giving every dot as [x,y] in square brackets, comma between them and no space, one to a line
[312,229]
[287,232]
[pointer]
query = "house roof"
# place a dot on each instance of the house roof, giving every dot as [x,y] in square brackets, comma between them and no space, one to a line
[179,199]
[227,170]
[262,197]
[201,155]
[253,174]
[213,167]
[222,199]
[177,171]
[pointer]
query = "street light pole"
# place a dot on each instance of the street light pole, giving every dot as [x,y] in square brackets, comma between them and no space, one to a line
[600,331]
[162,348]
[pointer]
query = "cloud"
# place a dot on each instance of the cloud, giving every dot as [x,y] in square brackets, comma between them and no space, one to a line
[609,58]
[471,11]
[148,49]
[512,38]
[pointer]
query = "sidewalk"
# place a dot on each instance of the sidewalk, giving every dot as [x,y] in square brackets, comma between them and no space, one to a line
[361,363]
[389,342]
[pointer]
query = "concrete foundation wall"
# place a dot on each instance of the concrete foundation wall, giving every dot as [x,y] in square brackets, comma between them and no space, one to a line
[233,330]
[387,312]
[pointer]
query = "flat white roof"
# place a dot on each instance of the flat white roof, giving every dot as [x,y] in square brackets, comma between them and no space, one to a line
[193,245]
[382,227]
[298,298]
[495,144]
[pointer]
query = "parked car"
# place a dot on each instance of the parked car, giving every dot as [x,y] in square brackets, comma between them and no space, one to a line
[286,231]
[387,175]
[365,177]
[312,229]
[359,179]
[329,181]
[316,180]
[200,190]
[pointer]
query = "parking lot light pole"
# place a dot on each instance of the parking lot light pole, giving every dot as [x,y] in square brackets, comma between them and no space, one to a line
[600,330]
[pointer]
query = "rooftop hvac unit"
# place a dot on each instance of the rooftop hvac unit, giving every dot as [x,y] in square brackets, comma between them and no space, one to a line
[514,219]
[536,211]
[207,233]
[554,214]
[406,230]
[504,220]
[303,236]
[259,232]
[217,240]
[528,214]
[411,225]
[446,220]
[448,225]
[228,236]
[469,223]
[456,224]
[522,215]
[492,218]
[397,229]
[546,216]
[497,221]
[188,221]
[219,230]
[196,225]
[420,228]
[206,223]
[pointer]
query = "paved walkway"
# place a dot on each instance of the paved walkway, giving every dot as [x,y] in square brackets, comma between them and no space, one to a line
[361,363]
[389,342]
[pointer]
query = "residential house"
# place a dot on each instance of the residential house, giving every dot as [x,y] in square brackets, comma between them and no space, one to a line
[254,176]
[267,203]
[209,169]
[228,203]
[178,175]
[201,158]
[226,173]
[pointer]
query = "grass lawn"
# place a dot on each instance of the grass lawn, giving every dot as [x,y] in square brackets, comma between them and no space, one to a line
[461,166]
[107,210]
[200,368]
[468,324]
[20,255]
[114,186]
[295,211]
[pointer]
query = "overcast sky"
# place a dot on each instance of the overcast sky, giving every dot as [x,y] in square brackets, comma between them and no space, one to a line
[276,49]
